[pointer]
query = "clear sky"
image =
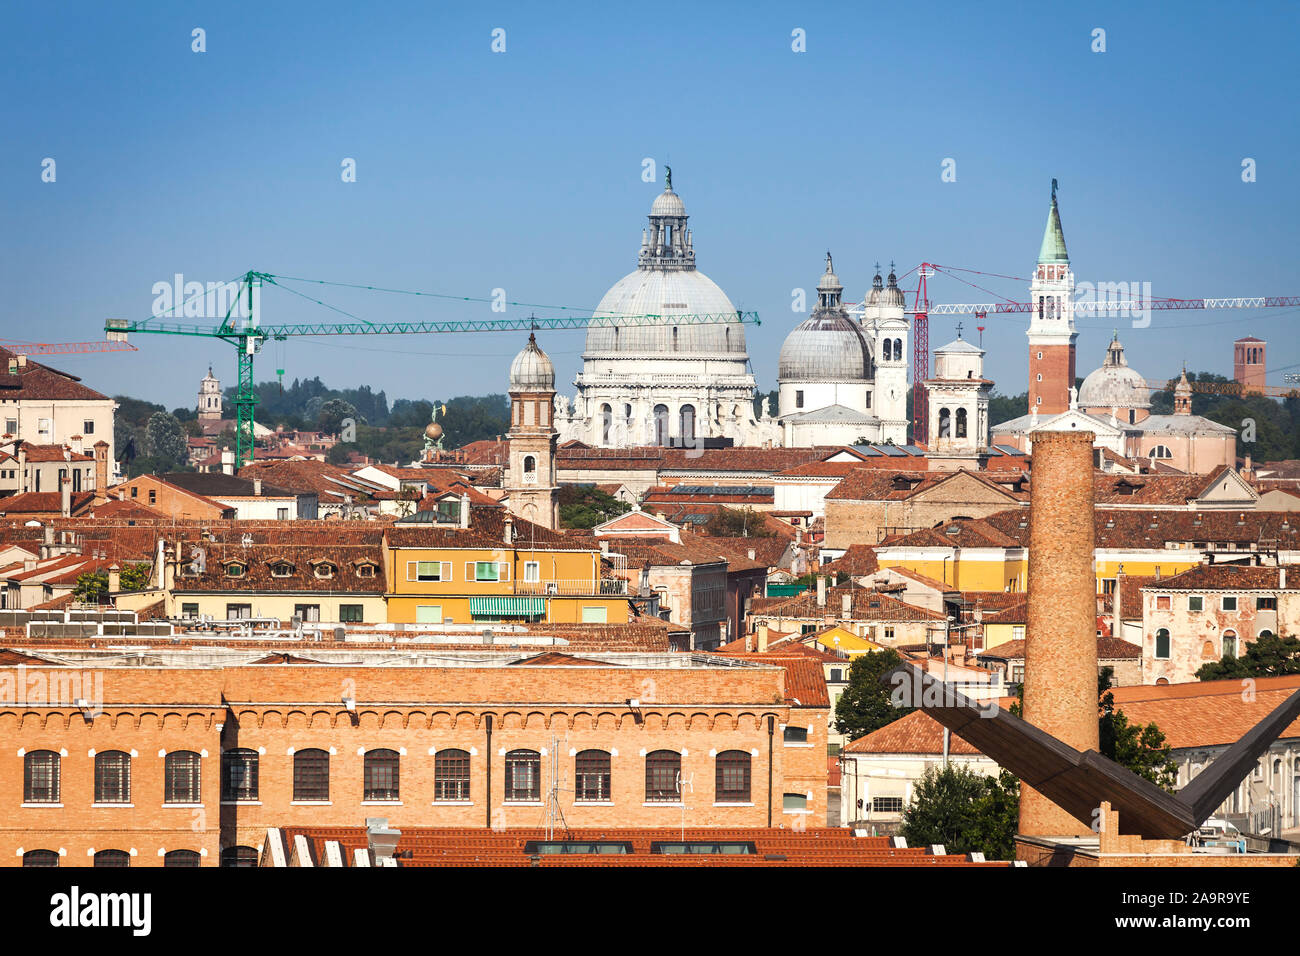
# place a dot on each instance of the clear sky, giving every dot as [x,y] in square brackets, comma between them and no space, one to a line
[522,170]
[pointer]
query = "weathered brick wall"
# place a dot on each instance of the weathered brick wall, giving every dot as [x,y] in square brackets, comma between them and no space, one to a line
[1061,644]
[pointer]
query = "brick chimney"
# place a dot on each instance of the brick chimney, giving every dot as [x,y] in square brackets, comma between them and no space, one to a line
[509,530]
[22,467]
[75,445]
[464,510]
[114,578]
[760,636]
[1061,632]
[101,472]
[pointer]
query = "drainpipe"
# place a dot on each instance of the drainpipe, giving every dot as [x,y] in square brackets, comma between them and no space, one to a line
[489,771]
[771,734]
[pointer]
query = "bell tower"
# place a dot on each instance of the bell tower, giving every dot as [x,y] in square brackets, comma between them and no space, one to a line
[530,475]
[1052,334]
[209,409]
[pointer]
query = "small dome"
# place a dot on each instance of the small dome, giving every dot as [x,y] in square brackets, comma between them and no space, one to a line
[1114,385]
[829,280]
[532,370]
[668,203]
[892,295]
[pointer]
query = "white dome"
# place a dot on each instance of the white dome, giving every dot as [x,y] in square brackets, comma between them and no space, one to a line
[667,292]
[532,369]
[668,203]
[1114,385]
[828,347]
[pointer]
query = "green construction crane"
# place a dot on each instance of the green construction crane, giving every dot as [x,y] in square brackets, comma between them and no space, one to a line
[248,335]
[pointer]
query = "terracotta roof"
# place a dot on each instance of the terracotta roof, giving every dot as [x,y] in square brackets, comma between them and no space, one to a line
[44,502]
[37,454]
[257,561]
[866,605]
[1226,577]
[896,485]
[218,484]
[36,382]
[914,733]
[857,561]
[805,681]
[557,659]
[1206,713]
[1108,649]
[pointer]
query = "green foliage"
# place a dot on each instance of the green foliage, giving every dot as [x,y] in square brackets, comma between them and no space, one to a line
[135,577]
[865,704]
[1270,656]
[164,439]
[1003,408]
[773,397]
[737,523]
[91,587]
[965,811]
[585,506]
[1142,749]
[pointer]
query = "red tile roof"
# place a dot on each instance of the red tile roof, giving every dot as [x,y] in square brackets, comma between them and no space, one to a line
[36,382]
[914,733]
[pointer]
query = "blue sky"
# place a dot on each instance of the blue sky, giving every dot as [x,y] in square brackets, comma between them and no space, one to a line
[522,170]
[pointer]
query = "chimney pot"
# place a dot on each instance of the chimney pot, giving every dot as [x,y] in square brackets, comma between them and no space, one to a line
[257,487]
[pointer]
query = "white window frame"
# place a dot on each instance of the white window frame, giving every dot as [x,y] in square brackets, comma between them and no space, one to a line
[413,572]
[532,572]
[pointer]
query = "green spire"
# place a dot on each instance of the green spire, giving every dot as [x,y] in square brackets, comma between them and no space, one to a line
[1053,247]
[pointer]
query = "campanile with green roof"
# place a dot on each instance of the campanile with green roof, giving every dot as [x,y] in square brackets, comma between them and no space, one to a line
[1052,335]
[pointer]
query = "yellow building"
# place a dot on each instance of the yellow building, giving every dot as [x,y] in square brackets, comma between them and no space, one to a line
[334,583]
[500,569]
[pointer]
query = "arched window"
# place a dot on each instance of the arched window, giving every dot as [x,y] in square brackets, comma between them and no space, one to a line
[591,776]
[43,858]
[381,775]
[239,774]
[112,777]
[898,350]
[661,425]
[606,423]
[794,802]
[1229,643]
[113,858]
[451,776]
[688,424]
[530,468]
[311,775]
[889,350]
[41,777]
[1265,633]
[945,423]
[239,856]
[662,769]
[181,858]
[1162,644]
[523,776]
[181,778]
[732,785]
[961,423]
[1160,451]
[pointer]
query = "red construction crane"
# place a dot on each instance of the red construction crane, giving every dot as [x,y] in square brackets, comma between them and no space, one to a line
[923,309]
[64,348]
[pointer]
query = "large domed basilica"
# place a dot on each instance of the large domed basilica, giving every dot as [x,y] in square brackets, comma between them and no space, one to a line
[665,383]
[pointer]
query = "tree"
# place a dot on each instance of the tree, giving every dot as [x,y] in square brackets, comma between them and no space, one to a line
[91,587]
[1268,656]
[164,439]
[737,523]
[965,811]
[333,413]
[135,577]
[865,704]
[585,506]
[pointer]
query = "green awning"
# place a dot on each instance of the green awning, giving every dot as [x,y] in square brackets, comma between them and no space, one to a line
[507,604]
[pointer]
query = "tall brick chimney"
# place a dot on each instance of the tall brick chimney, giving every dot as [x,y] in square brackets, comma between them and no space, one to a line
[1061,630]
[101,471]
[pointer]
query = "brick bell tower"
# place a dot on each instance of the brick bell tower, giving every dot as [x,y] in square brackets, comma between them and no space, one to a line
[1052,334]
[530,475]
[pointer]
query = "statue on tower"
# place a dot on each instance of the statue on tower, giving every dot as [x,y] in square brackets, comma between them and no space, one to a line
[433,432]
